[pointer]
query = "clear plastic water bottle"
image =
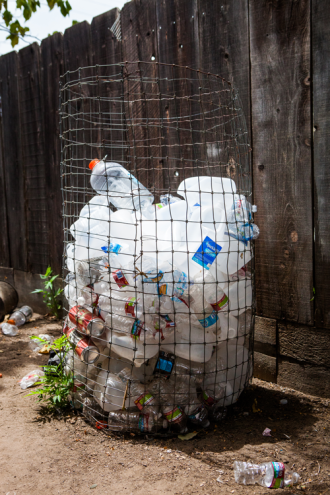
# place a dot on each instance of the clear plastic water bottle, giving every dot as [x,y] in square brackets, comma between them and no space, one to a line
[134,421]
[21,316]
[239,220]
[9,329]
[239,296]
[175,416]
[184,388]
[205,313]
[212,292]
[94,413]
[228,370]
[198,353]
[132,349]
[109,391]
[145,401]
[123,303]
[267,474]
[123,189]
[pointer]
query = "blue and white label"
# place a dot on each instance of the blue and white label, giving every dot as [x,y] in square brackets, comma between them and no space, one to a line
[112,248]
[206,253]
[209,321]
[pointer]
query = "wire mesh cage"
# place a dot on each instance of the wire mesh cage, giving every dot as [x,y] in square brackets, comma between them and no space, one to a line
[158,254]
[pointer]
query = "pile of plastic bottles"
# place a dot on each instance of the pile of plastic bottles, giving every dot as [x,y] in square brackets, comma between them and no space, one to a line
[159,301]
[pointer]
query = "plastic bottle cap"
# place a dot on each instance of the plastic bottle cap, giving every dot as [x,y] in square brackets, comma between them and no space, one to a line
[93,163]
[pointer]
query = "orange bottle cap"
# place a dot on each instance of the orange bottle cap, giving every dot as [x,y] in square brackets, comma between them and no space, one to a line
[93,163]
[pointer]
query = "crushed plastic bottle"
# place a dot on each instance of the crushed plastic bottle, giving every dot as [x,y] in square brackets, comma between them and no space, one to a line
[267,474]
[31,378]
[9,329]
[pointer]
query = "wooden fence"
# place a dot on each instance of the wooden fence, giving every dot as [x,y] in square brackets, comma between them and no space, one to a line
[277,54]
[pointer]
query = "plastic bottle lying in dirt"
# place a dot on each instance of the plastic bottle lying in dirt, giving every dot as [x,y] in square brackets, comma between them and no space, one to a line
[21,316]
[268,474]
[9,329]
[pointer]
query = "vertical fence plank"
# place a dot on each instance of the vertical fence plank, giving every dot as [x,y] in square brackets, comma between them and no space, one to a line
[4,240]
[77,54]
[321,125]
[108,103]
[52,67]
[280,84]
[105,46]
[13,165]
[139,29]
[32,140]
[178,43]
[221,50]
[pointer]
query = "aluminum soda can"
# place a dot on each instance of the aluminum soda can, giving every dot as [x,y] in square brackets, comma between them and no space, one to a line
[85,348]
[86,322]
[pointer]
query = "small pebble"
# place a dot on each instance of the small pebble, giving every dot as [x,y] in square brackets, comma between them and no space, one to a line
[283,402]
[93,486]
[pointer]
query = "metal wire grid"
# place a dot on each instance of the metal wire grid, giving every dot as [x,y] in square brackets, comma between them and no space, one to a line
[164,124]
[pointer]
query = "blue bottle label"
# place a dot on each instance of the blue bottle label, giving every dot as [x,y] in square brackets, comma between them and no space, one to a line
[210,320]
[112,248]
[207,253]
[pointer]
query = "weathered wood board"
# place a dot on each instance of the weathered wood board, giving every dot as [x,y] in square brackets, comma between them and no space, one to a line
[320,47]
[282,172]
[12,155]
[33,158]
[306,378]
[52,67]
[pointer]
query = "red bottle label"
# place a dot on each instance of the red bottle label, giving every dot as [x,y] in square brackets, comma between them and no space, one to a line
[221,304]
[119,278]
[130,306]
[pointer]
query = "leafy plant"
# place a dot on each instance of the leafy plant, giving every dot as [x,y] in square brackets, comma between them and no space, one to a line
[313,295]
[27,7]
[50,295]
[55,385]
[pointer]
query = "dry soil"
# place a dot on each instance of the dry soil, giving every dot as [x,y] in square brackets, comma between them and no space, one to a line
[41,454]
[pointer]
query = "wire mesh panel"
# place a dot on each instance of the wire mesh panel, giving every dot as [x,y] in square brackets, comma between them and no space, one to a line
[158,245]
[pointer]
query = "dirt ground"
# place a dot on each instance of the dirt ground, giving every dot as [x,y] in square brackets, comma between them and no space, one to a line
[64,455]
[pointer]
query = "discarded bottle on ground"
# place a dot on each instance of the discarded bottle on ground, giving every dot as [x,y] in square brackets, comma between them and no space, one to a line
[268,474]
[21,316]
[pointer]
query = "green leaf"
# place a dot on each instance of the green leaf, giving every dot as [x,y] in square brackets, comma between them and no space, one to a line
[74,22]
[48,272]
[7,17]
[37,291]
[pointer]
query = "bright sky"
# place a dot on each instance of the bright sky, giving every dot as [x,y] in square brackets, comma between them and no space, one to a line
[45,22]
